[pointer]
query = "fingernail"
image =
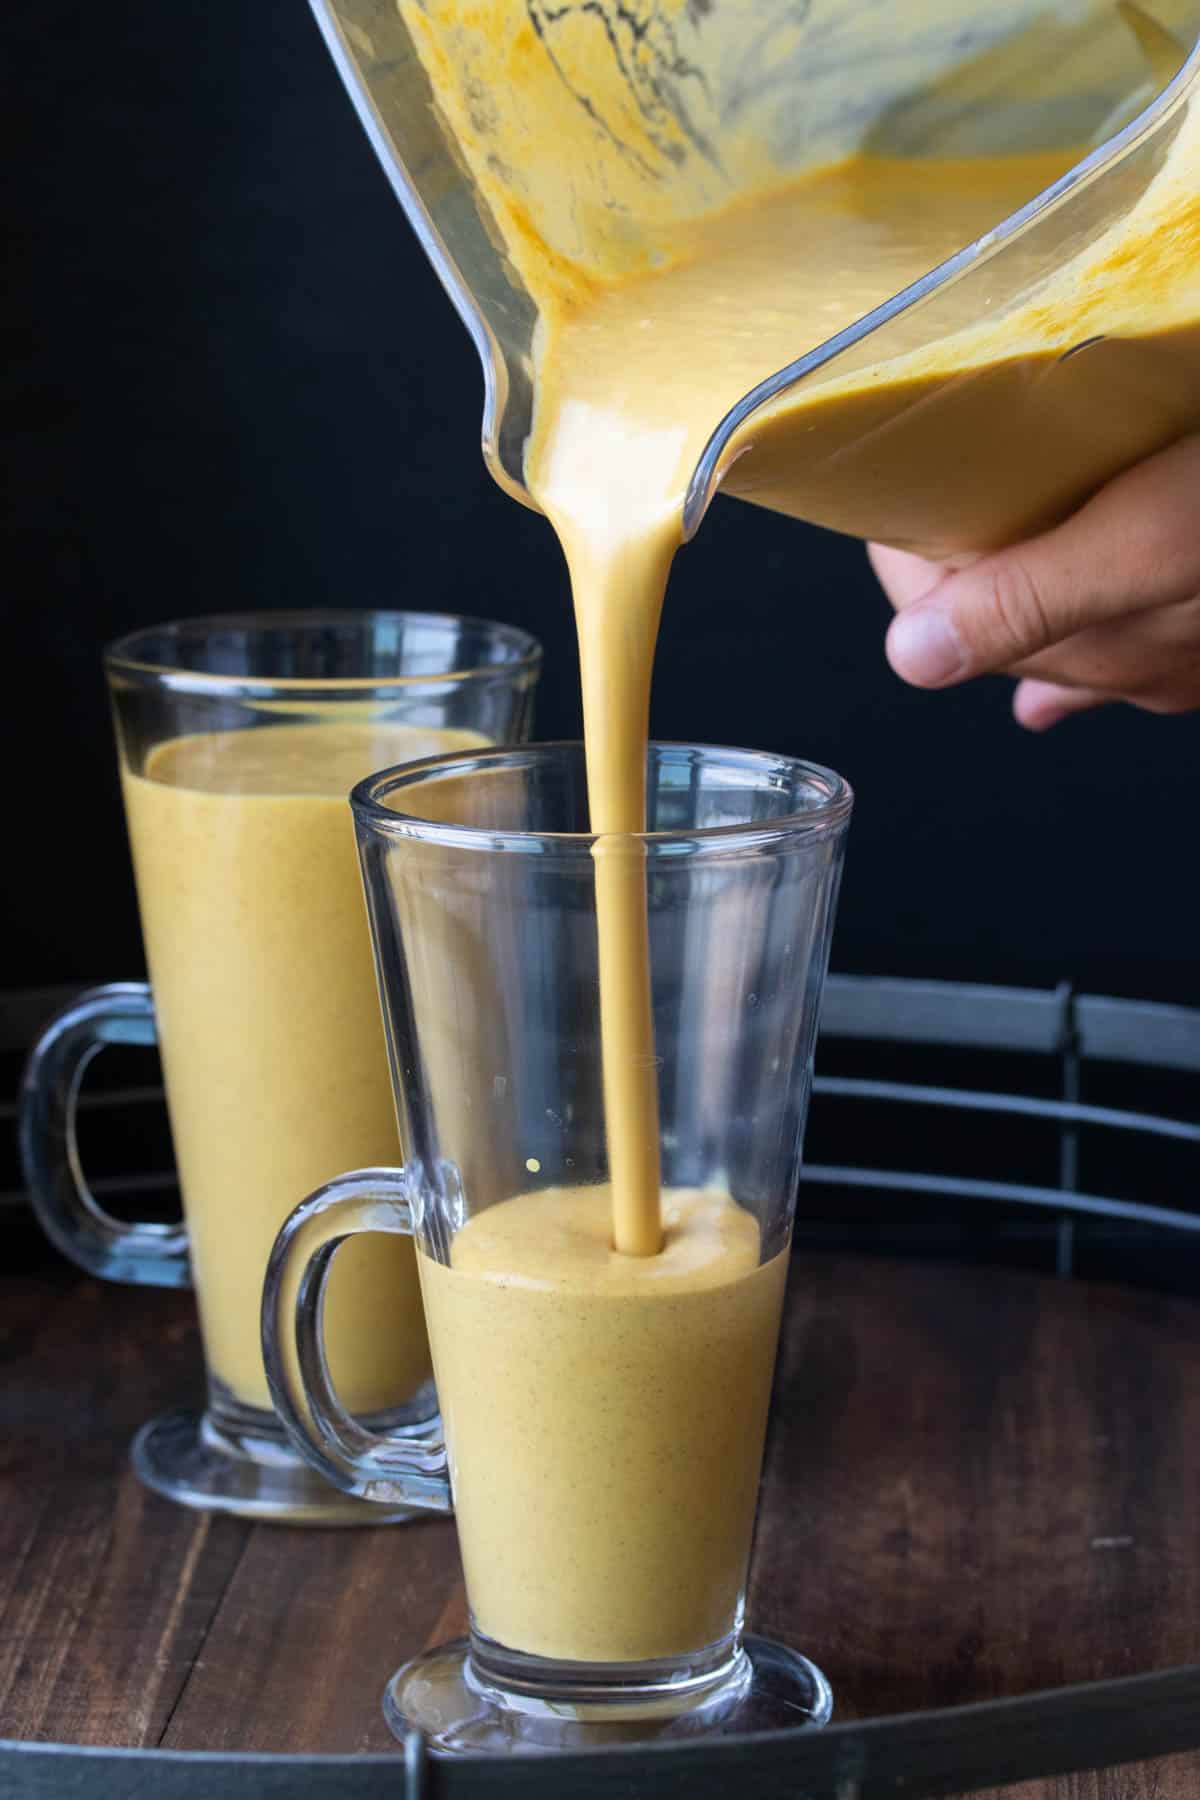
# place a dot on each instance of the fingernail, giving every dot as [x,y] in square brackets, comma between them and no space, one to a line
[923,647]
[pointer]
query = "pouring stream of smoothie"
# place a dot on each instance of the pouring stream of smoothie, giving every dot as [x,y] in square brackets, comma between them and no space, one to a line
[637,359]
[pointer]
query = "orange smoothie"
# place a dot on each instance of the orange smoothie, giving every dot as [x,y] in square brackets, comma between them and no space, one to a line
[269,1024]
[608,1415]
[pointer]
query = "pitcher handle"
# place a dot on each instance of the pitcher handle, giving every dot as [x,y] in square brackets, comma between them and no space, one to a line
[152,1255]
[407,1465]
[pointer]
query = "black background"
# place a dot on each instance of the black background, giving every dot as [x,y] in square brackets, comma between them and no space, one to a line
[234,382]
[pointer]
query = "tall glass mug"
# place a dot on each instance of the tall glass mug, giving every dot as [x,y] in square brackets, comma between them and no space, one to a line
[240,739]
[603,1413]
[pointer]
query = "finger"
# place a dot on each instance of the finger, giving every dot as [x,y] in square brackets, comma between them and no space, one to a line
[1143,655]
[1040,704]
[903,576]
[1134,546]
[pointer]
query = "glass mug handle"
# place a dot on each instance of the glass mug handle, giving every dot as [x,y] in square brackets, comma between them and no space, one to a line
[406,1466]
[67,1210]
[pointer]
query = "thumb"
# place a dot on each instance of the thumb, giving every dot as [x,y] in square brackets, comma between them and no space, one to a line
[1132,547]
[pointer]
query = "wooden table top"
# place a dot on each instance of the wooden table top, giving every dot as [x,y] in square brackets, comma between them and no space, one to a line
[978,1483]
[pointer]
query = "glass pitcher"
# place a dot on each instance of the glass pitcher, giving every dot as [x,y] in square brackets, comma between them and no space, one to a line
[663,110]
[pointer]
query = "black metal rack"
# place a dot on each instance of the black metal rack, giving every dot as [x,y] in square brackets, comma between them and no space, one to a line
[1098,1102]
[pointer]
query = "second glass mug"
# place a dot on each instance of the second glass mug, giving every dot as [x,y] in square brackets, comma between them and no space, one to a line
[604,1414]
[240,738]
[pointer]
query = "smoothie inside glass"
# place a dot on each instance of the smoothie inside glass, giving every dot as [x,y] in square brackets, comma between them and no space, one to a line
[603,1414]
[240,739]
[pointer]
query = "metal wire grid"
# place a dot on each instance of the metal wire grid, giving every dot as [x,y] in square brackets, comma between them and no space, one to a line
[1072,1030]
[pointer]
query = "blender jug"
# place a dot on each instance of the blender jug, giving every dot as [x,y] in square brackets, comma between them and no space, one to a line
[981,402]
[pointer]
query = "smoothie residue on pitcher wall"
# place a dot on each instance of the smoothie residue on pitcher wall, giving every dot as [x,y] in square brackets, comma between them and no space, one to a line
[661,301]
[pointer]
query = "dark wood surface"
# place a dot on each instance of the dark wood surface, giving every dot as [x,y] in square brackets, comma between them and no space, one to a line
[979,1483]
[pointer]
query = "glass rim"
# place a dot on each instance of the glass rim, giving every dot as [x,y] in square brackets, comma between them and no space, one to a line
[372,815]
[121,655]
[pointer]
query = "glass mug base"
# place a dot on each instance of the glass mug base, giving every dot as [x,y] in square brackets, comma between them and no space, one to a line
[443,1694]
[236,1459]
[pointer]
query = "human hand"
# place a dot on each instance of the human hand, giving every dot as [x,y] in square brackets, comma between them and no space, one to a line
[1104,607]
